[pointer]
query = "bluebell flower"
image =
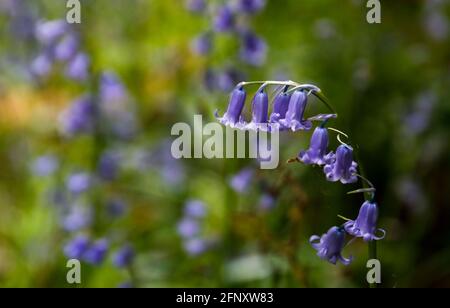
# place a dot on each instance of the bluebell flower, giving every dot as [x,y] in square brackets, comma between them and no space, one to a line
[195,246]
[78,182]
[365,225]
[343,168]
[224,19]
[41,65]
[188,228]
[108,166]
[96,252]
[76,247]
[253,49]
[294,115]
[79,117]
[250,6]
[196,6]
[232,116]
[66,48]
[111,90]
[242,180]
[329,246]
[124,256]
[78,218]
[78,67]
[48,32]
[280,107]
[45,165]
[195,209]
[260,109]
[266,202]
[202,44]
[317,152]
[228,78]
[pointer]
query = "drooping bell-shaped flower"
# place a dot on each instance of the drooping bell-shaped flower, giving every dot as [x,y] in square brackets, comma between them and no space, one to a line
[76,247]
[365,225]
[224,19]
[343,168]
[294,115]
[124,256]
[79,117]
[329,246]
[250,6]
[253,49]
[188,227]
[260,109]
[232,116]
[96,252]
[195,246]
[78,67]
[280,107]
[49,31]
[202,44]
[196,6]
[66,48]
[317,152]
[242,180]
[195,209]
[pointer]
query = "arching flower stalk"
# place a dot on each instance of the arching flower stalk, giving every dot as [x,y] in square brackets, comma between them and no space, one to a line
[288,113]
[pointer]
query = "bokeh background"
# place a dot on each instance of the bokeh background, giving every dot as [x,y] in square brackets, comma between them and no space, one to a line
[85,117]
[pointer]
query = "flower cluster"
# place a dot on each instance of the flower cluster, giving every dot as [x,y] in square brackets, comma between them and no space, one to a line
[229,18]
[288,112]
[60,45]
[189,228]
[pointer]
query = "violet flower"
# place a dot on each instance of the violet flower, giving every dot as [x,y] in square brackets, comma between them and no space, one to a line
[260,108]
[280,107]
[329,246]
[78,182]
[76,247]
[78,218]
[123,257]
[224,19]
[250,6]
[188,228]
[343,168]
[78,67]
[241,181]
[317,152]
[66,48]
[45,165]
[48,32]
[195,246]
[232,116]
[96,252]
[294,115]
[365,225]
[253,49]
[202,44]
[79,117]
[195,209]
[196,6]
